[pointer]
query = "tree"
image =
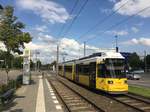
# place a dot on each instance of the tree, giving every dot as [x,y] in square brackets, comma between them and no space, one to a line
[148,61]
[32,64]
[3,58]
[11,33]
[134,61]
[18,62]
[38,63]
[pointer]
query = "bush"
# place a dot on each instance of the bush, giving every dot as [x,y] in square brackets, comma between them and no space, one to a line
[19,81]
[3,88]
[12,84]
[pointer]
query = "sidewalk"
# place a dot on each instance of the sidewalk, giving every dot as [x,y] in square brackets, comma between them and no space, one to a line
[25,100]
[37,97]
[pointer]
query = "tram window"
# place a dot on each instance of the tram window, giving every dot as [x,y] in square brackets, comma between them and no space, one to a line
[101,70]
[115,62]
[83,69]
[68,68]
[115,74]
[60,68]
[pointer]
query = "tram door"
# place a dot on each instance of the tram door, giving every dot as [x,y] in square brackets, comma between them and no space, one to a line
[77,73]
[74,71]
[92,74]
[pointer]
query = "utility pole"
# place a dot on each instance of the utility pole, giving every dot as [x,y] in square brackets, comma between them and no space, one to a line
[35,60]
[84,48]
[116,37]
[145,61]
[57,60]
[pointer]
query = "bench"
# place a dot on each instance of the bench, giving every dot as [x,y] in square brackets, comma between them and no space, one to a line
[7,96]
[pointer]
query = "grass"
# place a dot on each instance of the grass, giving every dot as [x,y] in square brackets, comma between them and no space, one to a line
[143,91]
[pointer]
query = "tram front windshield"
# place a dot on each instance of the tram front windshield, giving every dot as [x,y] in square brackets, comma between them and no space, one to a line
[113,68]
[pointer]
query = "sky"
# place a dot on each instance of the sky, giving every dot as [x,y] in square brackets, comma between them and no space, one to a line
[48,21]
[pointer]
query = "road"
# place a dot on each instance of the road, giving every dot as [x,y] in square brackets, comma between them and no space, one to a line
[144,81]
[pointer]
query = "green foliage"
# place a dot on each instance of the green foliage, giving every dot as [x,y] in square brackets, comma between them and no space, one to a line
[143,91]
[6,59]
[3,88]
[134,61]
[53,63]
[32,64]
[11,33]
[12,62]
[148,61]
[39,63]
[12,84]
[17,62]
[6,87]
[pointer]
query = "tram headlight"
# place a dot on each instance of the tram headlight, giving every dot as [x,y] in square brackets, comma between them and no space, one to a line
[110,82]
[125,81]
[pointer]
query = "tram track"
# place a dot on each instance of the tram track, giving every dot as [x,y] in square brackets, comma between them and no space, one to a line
[137,103]
[73,101]
[134,102]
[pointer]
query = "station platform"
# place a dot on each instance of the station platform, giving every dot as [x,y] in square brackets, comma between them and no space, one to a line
[36,97]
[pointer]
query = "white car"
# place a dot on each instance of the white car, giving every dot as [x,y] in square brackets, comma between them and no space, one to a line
[138,71]
[133,76]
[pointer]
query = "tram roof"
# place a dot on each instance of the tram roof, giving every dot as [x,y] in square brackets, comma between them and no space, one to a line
[96,56]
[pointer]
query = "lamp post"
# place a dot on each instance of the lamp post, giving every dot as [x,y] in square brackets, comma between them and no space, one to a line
[36,64]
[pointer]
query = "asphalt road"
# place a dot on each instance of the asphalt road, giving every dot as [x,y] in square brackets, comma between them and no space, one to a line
[144,81]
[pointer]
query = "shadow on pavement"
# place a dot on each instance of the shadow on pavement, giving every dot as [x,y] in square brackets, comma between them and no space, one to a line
[7,107]
[17,110]
[32,82]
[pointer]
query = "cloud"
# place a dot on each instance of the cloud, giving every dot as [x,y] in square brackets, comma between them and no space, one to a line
[132,7]
[47,10]
[119,33]
[42,28]
[114,1]
[140,41]
[47,46]
[33,46]
[48,39]
[106,11]
[134,29]
[139,24]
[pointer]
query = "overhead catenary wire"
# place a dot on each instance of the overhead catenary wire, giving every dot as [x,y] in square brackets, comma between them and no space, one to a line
[100,22]
[73,8]
[76,17]
[121,22]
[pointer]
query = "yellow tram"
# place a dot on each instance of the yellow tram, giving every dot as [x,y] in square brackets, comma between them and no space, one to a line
[103,71]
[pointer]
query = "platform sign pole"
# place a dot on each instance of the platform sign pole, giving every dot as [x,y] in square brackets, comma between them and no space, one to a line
[26,67]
